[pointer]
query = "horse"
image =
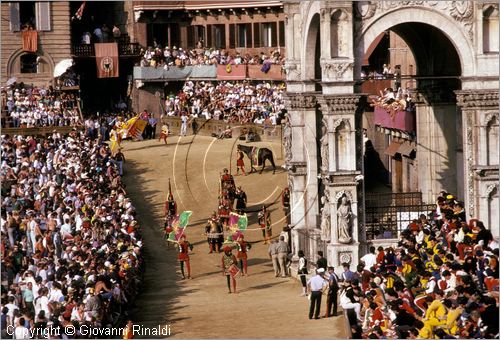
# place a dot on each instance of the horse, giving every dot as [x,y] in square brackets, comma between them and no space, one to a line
[263,154]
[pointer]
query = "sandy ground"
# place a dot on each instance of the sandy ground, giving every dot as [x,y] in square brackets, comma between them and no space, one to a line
[265,307]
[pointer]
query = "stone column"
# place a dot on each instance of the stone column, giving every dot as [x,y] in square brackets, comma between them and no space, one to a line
[478,107]
[301,165]
[346,182]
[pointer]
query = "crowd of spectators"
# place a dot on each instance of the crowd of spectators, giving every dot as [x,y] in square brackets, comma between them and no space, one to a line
[439,282]
[233,102]
[70,242]
[393,101]
[165,57]
[32,106]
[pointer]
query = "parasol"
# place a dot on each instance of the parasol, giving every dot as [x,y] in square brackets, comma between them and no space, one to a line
[11,81]
[62,67]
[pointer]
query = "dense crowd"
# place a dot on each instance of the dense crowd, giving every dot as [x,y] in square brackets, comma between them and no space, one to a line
[165,57]
[441,281]
[70,243]
[242,102]
[32,106]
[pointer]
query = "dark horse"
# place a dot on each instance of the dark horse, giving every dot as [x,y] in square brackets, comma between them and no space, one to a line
[263,154]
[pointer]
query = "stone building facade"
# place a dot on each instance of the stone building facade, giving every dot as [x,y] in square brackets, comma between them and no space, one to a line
[455,45]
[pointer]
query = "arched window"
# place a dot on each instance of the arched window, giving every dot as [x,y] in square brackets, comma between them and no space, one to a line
[28,63]
[493,207]
[490,29]
[492,141]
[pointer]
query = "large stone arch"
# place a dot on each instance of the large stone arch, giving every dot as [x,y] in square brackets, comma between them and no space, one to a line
[14,60]
[455,34]
[309,33]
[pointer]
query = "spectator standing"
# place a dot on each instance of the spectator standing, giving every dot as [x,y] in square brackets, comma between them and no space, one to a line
[316,285]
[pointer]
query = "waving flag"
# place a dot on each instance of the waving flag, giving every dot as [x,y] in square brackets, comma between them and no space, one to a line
[237,224]
[133,128]
[179,225]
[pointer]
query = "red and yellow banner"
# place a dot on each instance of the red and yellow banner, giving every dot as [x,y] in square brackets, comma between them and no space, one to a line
[106,57]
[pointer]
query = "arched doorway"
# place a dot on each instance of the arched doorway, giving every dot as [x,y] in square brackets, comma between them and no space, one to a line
[414,153]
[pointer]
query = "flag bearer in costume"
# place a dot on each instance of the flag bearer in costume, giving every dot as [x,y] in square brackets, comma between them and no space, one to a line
[228,268]
[227,186]
[243,247]
[164,132]
[241,200]
[184,248]
[264,219]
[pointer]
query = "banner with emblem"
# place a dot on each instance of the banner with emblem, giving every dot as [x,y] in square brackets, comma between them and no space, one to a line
[106,56]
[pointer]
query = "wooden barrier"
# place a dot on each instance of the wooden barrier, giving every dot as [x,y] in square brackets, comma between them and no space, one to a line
[39,131]
[208,127]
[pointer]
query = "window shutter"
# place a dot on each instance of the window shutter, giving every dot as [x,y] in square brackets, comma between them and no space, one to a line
[190,37]
[14,17]
[232,32]
[256,35]
[249,35]
[42,16]
[274,35]
[282,33]
[209,36]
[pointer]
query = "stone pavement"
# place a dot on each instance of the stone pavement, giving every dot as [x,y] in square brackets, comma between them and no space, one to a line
[265,307]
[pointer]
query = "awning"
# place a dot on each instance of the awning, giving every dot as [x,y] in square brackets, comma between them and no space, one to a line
[406,149]
[392,149]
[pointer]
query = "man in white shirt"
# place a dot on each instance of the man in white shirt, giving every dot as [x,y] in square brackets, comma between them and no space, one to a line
[370,259]
[316,284]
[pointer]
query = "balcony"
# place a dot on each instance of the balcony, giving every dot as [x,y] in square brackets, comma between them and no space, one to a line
[208,72]
[88,50]
[400,120]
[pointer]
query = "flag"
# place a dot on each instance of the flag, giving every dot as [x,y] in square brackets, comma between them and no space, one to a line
[238,222]
[133,128]
[79,13]
[179,224]
[114,143]
[30,40]
[106,57]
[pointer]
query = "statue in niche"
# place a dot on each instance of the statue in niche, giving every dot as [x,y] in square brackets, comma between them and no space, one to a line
[324,147]
[325,217]
[287,139]
[344,214]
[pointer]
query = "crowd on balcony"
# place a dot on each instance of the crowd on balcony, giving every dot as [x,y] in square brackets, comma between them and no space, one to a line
[233,102]
[439,282]
[32,106]
[393,101]
[166,57]
[70,242]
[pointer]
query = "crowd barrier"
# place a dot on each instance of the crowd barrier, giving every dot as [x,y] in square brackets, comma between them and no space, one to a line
[213,126]
[39,131]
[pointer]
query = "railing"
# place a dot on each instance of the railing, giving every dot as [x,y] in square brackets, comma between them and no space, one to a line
[209,72]
[88,50]
[386,215]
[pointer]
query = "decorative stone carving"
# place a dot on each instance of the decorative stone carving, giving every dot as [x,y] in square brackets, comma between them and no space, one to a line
[335,69]
[324,146]
[461,11]
[287,140]
[344,257]
[489,117]
[337,123]
[344,214]
[292,69]
[470,162]
[340,104]
[325,216]
[477,99]
[365,9]
[339,194]
[490,189]
[300,101]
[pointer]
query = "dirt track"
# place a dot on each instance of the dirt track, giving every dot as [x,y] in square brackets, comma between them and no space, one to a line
[266,307]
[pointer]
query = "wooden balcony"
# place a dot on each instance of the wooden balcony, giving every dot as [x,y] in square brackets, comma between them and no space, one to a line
[88,51]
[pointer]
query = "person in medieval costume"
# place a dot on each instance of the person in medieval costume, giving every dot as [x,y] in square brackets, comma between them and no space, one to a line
[241,199]
[224,210]
[229,268]
[264,218]
[214,231]
[241,256]
[183,256]
[164,133]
